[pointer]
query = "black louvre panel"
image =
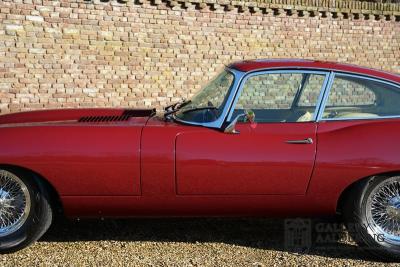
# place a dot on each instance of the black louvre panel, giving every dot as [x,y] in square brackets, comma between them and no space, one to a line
[128,113]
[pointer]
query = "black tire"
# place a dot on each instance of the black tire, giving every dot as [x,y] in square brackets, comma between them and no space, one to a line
[354,211]
[38,220]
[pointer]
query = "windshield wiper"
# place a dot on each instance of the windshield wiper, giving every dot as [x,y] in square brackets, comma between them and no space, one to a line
[178,104]
[175,107]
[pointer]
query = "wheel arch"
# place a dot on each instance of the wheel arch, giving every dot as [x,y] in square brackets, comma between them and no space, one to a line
[55,199]
[349,189]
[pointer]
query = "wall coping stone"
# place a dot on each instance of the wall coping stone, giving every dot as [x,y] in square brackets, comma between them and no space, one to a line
[333,8]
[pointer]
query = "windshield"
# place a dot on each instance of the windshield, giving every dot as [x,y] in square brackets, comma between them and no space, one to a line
[208,104]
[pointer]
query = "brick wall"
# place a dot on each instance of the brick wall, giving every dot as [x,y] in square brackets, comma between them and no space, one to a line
[75,53]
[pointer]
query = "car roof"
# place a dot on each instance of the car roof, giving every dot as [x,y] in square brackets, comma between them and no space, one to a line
[265,64]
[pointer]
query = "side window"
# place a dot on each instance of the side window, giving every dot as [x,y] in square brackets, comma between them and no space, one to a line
[356,98]
[275,97]
[349,91]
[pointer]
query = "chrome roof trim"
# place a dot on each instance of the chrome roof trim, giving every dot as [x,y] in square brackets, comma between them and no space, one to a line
[328,70]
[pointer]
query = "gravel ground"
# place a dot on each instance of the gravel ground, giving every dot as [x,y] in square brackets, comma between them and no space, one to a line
[178,242]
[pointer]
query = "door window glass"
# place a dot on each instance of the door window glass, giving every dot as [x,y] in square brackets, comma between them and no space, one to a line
[281,97]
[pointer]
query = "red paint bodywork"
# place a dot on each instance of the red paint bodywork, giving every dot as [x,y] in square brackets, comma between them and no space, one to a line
[77,158]
[145,166]
[255,162]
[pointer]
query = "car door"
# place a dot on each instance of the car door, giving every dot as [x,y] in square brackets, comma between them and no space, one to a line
[273,155]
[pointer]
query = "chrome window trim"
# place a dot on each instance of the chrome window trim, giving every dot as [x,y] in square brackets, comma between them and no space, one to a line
[238,75]
[328,90]
[360,119]
[287,70]
[240,78]
[333,70]
[324,100]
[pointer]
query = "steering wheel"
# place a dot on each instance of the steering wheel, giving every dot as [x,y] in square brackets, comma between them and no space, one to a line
[333,114]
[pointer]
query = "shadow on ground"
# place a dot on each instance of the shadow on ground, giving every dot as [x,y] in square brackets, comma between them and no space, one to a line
[268,234]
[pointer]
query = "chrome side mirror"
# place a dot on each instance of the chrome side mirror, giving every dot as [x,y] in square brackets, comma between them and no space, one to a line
[249,116]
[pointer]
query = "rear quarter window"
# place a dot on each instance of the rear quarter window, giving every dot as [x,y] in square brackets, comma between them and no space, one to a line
[353,97]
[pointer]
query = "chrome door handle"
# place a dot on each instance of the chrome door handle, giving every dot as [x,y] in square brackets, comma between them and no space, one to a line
[307,141]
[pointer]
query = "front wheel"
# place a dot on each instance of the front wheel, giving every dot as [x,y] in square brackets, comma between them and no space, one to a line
[372,215]
[25,212]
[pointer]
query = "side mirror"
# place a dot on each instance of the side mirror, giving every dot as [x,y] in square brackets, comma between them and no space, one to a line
[249,116]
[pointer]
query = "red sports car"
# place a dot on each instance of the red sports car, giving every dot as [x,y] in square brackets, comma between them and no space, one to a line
[264,137]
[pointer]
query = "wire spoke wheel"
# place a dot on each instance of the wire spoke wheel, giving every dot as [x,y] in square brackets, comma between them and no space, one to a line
[383,210]
[15,203]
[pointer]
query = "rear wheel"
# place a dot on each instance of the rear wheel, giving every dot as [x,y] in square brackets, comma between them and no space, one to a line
[372,214]
[25,212]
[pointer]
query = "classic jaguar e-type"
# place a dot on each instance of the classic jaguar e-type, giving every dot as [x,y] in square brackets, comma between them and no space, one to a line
[263,138]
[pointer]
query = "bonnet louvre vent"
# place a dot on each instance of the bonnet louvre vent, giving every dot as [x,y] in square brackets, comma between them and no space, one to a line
[103,118]
[123,117]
